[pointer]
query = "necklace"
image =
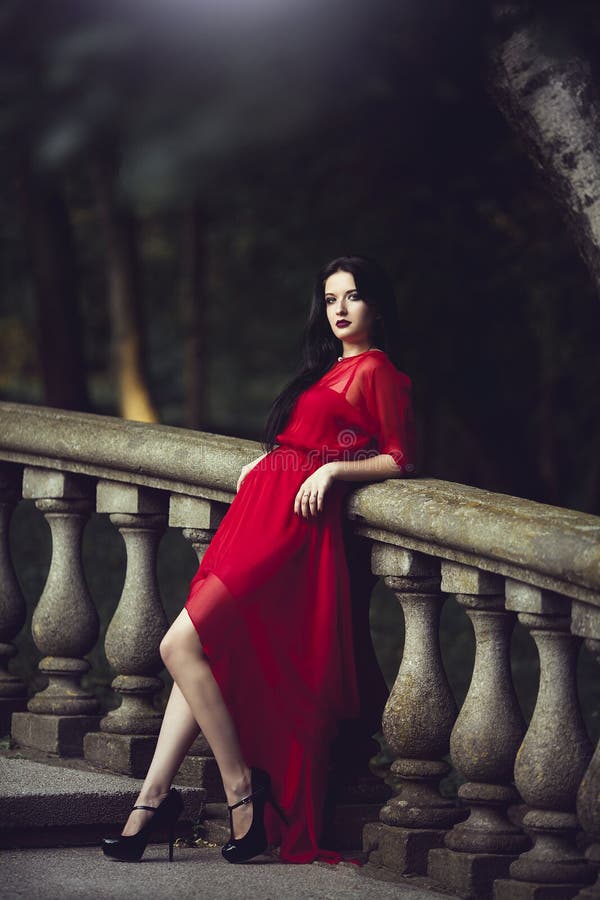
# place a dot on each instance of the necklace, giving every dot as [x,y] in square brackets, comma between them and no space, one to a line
[340,358]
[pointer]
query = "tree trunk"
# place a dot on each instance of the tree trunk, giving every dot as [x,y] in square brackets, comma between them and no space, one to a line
[53,267]
[543,85]
[193,309]
[120,230]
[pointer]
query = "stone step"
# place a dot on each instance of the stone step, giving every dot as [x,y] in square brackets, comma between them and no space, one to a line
[50,804]
[203,771]
[47,801]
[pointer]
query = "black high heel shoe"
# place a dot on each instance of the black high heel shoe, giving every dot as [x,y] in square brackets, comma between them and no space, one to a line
[254,841]
[130,848]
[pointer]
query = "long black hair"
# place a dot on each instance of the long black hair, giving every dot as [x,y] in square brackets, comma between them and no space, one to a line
[320,347]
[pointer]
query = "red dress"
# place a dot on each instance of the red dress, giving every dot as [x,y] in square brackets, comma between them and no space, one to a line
[271,598]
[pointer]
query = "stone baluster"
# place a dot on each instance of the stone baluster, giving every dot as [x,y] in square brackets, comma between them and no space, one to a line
[484,743]
[13,613]
[199,519]
[65,622]
[553,756]
[417,721]
[585,622]
[127,736]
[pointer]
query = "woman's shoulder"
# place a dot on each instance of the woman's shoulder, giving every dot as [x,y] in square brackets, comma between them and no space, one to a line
[378,364]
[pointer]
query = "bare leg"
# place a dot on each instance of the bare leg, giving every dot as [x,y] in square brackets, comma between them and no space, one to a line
[177,732]
[184,657]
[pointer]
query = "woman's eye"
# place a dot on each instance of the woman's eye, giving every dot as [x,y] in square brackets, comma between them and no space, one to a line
[350,297]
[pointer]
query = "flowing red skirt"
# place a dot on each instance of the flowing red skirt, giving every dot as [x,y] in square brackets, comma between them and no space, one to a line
[271,605]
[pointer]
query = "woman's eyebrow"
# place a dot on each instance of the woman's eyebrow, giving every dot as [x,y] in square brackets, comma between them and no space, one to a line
[332,294]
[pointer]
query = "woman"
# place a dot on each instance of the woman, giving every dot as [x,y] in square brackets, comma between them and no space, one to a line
[261,655]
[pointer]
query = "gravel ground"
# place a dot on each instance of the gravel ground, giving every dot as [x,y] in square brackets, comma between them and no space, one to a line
[82,872]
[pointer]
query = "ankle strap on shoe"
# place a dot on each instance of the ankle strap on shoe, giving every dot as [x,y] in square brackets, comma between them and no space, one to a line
[247,799]
[140,806]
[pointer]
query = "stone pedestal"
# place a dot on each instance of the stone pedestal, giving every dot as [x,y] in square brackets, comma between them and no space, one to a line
[399,850]
[505,889]
[469,875]
[130,754]
[57,735]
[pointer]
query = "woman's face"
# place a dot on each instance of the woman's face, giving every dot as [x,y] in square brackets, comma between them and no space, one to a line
[350,317]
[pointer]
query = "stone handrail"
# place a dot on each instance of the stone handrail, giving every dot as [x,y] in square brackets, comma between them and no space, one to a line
[159,456]
[529,789]
[551,547]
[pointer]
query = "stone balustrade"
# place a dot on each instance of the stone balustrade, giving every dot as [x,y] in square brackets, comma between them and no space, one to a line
[526,822]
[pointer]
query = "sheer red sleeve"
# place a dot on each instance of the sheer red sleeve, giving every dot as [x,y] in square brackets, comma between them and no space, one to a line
[389,403]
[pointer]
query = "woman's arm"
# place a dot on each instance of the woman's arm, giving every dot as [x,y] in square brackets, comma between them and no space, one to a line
[249,466]
[309,499]
[375,468]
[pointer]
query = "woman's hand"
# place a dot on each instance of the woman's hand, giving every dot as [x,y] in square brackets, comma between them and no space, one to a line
[311,493]
[248,468]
